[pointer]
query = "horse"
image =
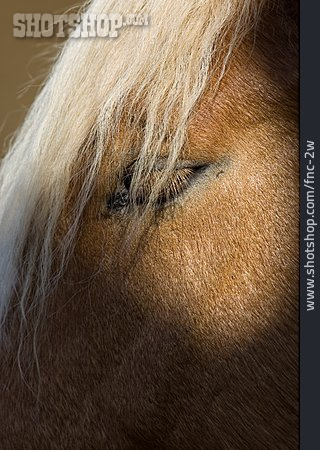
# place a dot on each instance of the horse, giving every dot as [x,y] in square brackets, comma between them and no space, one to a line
[149,236]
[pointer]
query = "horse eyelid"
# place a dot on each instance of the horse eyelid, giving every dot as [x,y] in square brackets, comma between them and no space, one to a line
[181,179]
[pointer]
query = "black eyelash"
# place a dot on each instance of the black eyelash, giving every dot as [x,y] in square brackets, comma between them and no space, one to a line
[179,181]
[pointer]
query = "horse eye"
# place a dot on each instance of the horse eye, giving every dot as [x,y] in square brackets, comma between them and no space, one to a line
[179,181]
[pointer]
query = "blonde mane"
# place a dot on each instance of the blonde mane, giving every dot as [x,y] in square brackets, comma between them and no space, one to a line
[163,68]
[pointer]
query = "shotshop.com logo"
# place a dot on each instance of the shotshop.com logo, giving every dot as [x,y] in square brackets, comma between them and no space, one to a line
[74,25]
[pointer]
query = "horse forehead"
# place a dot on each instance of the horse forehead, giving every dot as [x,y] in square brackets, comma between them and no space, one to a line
[221,114]
[243,98]
[247,97]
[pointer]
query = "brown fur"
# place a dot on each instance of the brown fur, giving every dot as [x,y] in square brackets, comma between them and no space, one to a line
[190,341]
